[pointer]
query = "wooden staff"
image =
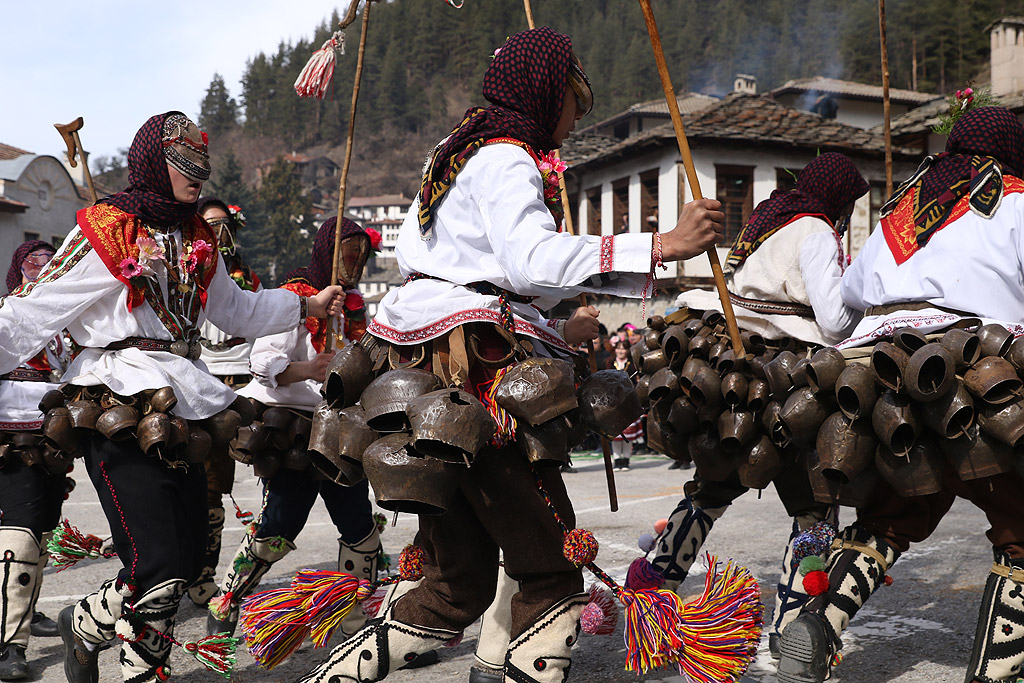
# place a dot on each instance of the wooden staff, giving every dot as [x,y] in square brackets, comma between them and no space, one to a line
[885,98]
[343,183]
[606,446]
[691,172]
[69,131]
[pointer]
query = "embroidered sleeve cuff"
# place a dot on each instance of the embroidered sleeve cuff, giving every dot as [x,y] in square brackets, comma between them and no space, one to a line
[303,308]
[627,253]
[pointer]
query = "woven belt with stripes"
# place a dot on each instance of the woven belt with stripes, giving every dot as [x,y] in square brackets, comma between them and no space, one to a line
[772,307]
[27,375]
[179,347]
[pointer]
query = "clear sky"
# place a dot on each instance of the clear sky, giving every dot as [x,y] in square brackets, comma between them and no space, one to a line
[118,62]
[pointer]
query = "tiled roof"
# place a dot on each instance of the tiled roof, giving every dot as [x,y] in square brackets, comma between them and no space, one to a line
[379,200]
[852,89]
[12,206]
[923,118]
[8,152]
[1018,21]
[747,119]
[688,103]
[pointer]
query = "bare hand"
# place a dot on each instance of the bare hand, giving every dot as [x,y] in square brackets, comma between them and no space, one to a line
[582,326]
[698,229]
[328,302]
[318,366]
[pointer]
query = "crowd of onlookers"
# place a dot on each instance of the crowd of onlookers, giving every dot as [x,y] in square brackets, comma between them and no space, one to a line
[612,351]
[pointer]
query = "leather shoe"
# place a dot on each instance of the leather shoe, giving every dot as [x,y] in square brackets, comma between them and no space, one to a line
[43,626]
[13,666]
[80,665]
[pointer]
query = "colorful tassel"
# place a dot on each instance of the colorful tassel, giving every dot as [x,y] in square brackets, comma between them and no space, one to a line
[381,521]
[68,546]
[505,421]
[642,574]
[316,75]
[722,628]
[331,596]
[653,631]
[216,653]
[580,547]
[601,614]
[274,624]
[645,542]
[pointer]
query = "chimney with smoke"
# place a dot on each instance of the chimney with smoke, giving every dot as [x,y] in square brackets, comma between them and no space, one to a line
[1007,35]
[745,84]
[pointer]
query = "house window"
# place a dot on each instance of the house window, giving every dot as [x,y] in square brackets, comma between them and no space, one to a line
[649,201]
[878,198]
[30,236]
[594,211]
[57,240]
[735,187]
[620,206]
[785,178]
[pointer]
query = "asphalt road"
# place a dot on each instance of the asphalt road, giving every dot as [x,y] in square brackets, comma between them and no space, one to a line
[919,629]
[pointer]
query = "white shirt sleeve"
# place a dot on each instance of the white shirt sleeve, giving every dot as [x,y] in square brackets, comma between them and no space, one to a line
[28,322]
[534,256]
[271,356]
[822,276]
[249,314]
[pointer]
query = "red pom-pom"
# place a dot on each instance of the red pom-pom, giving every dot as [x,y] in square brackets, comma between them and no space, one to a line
[206,138]
[354,301]
[660,525]
[887,580]
[816,583]
[410,563]
[580,547]
[375,239]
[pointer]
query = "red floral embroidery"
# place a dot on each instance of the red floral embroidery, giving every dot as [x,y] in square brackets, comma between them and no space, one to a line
[607,253]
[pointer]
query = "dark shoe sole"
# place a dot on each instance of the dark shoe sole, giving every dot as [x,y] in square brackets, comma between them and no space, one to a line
[75,671]
[13,666]
[804,651]
[480,676]
[215,626]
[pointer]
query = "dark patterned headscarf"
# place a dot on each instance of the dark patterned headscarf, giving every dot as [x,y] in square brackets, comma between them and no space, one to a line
[525,85]
[14,273]
[984,144]
[149,194]
[321,261]
[824,187]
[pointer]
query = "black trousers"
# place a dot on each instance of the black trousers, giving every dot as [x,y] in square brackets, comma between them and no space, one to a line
[290,497]
[157,514]
[30,497]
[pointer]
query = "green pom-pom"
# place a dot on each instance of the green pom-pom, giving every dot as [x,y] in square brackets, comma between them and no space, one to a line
[811,563]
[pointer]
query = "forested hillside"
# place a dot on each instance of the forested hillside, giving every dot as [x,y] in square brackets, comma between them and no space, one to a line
[424,60]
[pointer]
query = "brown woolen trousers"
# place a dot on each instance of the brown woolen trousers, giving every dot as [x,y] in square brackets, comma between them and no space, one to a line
[903,521]
[497,506]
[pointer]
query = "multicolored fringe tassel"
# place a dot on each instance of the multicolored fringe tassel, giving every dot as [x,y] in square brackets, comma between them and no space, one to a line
[506,422]
[711,639]
[721,628]
[68,546]
[216,653]
[275,622]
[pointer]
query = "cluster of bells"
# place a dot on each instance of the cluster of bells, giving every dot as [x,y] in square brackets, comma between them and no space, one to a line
[897,412]
[72,413]
[413,438]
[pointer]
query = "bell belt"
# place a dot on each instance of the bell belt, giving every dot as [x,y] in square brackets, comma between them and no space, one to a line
[772,307]
[886,309]
[178,347]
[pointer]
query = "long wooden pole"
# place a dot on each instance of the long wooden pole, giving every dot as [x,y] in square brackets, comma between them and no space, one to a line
[343,183]
[691,172]
[885,98]
[606,446]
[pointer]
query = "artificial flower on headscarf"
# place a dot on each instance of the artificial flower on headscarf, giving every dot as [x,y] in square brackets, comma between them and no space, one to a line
[116,224]
[823,189]
[983,160]
[525,84]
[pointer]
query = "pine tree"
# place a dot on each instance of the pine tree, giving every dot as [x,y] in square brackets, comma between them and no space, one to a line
[218,112]
[284,238]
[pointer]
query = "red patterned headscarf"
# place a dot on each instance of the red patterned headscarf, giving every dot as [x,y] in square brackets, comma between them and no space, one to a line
[14,273]
[149,194]
[985,144]
[525,85]
[824,187]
